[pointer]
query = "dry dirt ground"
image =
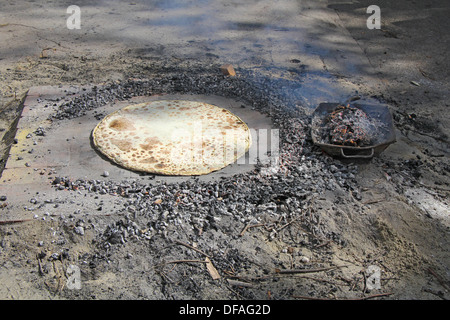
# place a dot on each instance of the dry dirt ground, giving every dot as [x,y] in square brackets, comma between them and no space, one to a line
[399,224]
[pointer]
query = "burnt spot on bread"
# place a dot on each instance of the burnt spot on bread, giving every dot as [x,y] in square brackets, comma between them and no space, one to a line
[150,143]
[123,145]
[121,125]
[149,160]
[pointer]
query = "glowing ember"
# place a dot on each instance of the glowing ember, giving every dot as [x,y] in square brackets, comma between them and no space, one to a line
[348,126]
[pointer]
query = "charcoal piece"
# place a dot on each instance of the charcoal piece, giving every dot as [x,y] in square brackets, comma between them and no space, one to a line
[348,126]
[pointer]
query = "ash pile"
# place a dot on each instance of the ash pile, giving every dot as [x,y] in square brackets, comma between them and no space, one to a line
[301,171]
[273,196]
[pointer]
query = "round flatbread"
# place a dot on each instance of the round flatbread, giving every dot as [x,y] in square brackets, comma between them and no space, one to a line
[172,137]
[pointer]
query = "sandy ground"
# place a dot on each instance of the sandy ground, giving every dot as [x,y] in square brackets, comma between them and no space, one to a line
[403,227]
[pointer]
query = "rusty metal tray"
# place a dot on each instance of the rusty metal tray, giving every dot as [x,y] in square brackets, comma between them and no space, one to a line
[381,140]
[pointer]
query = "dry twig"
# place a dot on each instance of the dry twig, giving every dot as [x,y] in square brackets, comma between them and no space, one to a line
[248,226]
[185,261]
[238,283]
[438,277]
[14,221]
[362,298]
[191,247]
[324,244]
[293,271]
[41,270]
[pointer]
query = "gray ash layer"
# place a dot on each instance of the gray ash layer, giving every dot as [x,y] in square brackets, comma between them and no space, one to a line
[246,198]
[279,193]
[257,91]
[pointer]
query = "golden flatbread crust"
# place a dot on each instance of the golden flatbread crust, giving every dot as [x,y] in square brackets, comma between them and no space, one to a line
[172,137]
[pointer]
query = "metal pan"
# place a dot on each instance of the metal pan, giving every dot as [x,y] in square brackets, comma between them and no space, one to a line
[381,140]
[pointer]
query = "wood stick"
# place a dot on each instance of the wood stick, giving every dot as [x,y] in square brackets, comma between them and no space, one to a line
[324,244]
[284,226]
[239,283]
[187,261]
[309,298]
[191,247]
[292,271]
[14,221]
[41,271]
[316,279]
[373,201]
[439,278]
[374,296]
[349,281]
[435,293]
[349,299]
[248,226]
[255,278]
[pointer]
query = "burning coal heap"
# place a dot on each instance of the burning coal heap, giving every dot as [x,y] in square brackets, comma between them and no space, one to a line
[349,126]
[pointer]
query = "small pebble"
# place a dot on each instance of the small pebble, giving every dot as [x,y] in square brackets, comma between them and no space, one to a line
[79,230]
[304,259]
[54,256]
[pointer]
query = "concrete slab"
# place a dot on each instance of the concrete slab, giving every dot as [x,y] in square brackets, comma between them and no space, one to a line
[65,150]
